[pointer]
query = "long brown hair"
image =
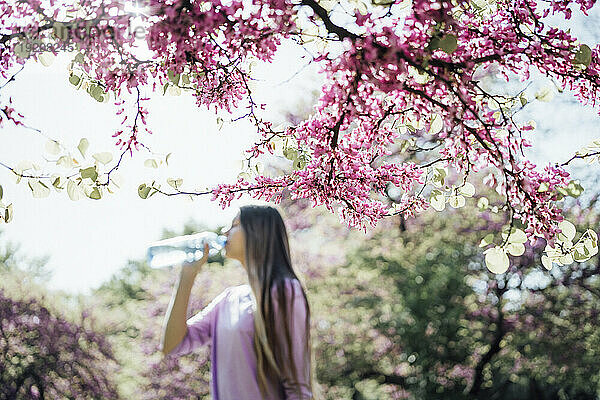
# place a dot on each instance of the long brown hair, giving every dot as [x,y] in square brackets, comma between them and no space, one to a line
[269,264]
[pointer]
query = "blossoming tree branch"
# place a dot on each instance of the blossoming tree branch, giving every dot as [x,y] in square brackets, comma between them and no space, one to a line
[409,73]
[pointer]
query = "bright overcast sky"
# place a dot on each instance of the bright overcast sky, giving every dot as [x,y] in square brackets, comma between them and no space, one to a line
[89,240]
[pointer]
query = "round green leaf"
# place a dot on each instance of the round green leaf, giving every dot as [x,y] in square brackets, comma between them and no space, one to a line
[456,201]
[516,249]
[546,262]
[516,235]
[174,90]
[46,58]
[438,202]
[483,203]
[448,43]
[175,183]
[467,189]
[496,260]
[568,229]
[74,80]
[150,163]
[566,259]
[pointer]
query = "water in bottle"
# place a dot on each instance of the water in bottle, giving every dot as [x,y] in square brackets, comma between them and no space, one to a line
[186,248]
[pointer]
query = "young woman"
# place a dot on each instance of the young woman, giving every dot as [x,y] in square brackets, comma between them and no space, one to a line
[259,333]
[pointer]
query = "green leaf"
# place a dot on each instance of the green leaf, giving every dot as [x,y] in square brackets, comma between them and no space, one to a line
[8,213]
[523,99]
[104,157]
[74,80]
[165,88]
[456,201]
[52,147]
[38,189]
[438,202]
[436,124]
[545,94]
[175,183]
[516,249]
[167,158]
[566,259]
[89,172]
[96,92]
[568,229]
[78,58]
[448,43]
[95,194]
[543,187]
[73,190]
[467,189]
[574,189]
[483,203]
[583,55]
[143,190]
[46,58]
[290,153]
[516,235]
[116,179]
[83,146]
[496,260]
[244,175]
[153,193]
[150,163]
[487,239]
[434,43]
[173,77]
[546,262]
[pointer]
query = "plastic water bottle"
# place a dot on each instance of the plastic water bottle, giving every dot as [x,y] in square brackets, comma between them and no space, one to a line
[186,248]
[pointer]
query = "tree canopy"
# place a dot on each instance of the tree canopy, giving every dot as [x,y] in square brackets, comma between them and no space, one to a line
[405,103]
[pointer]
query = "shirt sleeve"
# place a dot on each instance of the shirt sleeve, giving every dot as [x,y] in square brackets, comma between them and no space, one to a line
[199,327]
[297,317]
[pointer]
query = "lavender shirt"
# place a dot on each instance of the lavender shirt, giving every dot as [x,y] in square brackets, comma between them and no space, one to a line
[226,324]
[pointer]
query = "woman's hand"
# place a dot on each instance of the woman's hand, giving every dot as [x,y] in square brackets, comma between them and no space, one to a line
[189,270]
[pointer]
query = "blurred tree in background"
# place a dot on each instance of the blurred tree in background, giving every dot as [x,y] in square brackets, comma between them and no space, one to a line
[408,310]
[419,316]
[45,356]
